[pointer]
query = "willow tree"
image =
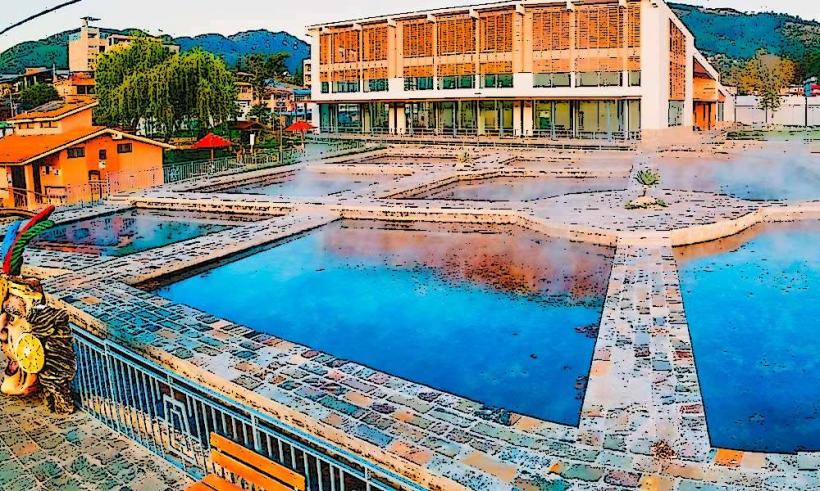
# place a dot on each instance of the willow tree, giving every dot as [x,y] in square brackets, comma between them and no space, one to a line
[121,83]
[166,90]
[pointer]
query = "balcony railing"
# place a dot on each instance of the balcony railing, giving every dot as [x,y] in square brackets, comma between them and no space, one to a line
[174,417]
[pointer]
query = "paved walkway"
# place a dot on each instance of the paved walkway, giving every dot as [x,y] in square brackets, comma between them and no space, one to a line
[41,451]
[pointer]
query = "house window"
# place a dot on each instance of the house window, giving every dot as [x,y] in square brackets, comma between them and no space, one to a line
[325,87]
[124,148]
[634,78]
[76,153]
[103,154]
[48,124]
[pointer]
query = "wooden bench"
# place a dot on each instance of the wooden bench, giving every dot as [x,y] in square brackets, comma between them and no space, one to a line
[244,468]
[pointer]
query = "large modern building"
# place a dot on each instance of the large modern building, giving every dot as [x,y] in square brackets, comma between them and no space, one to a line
[593,69]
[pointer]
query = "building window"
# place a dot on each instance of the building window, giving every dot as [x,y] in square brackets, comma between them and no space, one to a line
[346,86]
[720,109]
[377,85]
[418,83]
[551,80]
[26,126]
[634,78]
[498,81]
[456,82]
[124,148]
[48,124]
[675,113]
[597,79]
[103,154]
[325,87]
[76,153]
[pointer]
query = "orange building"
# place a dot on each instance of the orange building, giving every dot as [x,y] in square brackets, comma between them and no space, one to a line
[552,69]
[56,155]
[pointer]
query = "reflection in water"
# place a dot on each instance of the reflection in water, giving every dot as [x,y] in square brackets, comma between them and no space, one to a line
[310,183]
[752,303]
[755,175]
[497,315]
[524,188]
[125,233]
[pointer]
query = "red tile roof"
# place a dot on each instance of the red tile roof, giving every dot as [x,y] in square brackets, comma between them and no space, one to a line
[71,105]
[18,149]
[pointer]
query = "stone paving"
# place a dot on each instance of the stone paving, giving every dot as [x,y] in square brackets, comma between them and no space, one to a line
[41,451]
[642,423]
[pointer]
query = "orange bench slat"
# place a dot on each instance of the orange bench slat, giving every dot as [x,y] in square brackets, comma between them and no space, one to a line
[254,460]
[220,484]
[248,473]
[198,486]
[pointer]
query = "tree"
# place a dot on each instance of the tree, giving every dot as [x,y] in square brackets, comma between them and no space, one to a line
[764,76]
[262,68]
[122,82]
[37,95]
[261,113]
[145,82]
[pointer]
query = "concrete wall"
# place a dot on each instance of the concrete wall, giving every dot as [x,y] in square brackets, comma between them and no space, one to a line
[792,111]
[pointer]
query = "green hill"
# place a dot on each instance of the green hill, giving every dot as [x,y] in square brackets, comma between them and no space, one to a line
[738,35]
[53,50]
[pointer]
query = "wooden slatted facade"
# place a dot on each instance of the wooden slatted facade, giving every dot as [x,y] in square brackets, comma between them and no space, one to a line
[677,63]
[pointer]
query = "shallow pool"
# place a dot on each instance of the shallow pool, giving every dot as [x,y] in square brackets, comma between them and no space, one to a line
[754,175]
[127,232]
[497,315]
[753,304]
[522,188]
[306,183]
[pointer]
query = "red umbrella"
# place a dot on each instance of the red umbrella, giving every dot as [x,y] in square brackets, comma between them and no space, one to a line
[212,142]
[301,127]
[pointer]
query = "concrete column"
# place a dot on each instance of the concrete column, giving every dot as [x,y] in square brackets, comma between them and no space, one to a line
[654,67]
[518,119]
[366,123]
[527,118]
[401,120]
[688,101]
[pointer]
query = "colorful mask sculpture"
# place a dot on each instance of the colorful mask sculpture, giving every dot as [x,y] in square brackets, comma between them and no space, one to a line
[35,337]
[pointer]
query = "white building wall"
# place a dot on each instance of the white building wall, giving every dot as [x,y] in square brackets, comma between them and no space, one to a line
[792,111]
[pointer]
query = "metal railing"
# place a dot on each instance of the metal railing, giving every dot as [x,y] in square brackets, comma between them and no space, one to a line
[174,417]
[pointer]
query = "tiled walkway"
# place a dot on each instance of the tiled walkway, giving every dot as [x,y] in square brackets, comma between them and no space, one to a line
[41,451]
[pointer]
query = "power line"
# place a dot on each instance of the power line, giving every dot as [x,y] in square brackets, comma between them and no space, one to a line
[39,14]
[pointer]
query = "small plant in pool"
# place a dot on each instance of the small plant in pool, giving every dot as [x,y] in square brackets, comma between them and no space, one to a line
[646,178]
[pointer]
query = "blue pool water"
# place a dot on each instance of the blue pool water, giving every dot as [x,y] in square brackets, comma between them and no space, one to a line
[127,232]
[309,184]
[792,175]
[523,188]
[753,306]
[500,316]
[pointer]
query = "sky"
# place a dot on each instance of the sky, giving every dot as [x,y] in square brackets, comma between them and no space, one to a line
[192,17]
